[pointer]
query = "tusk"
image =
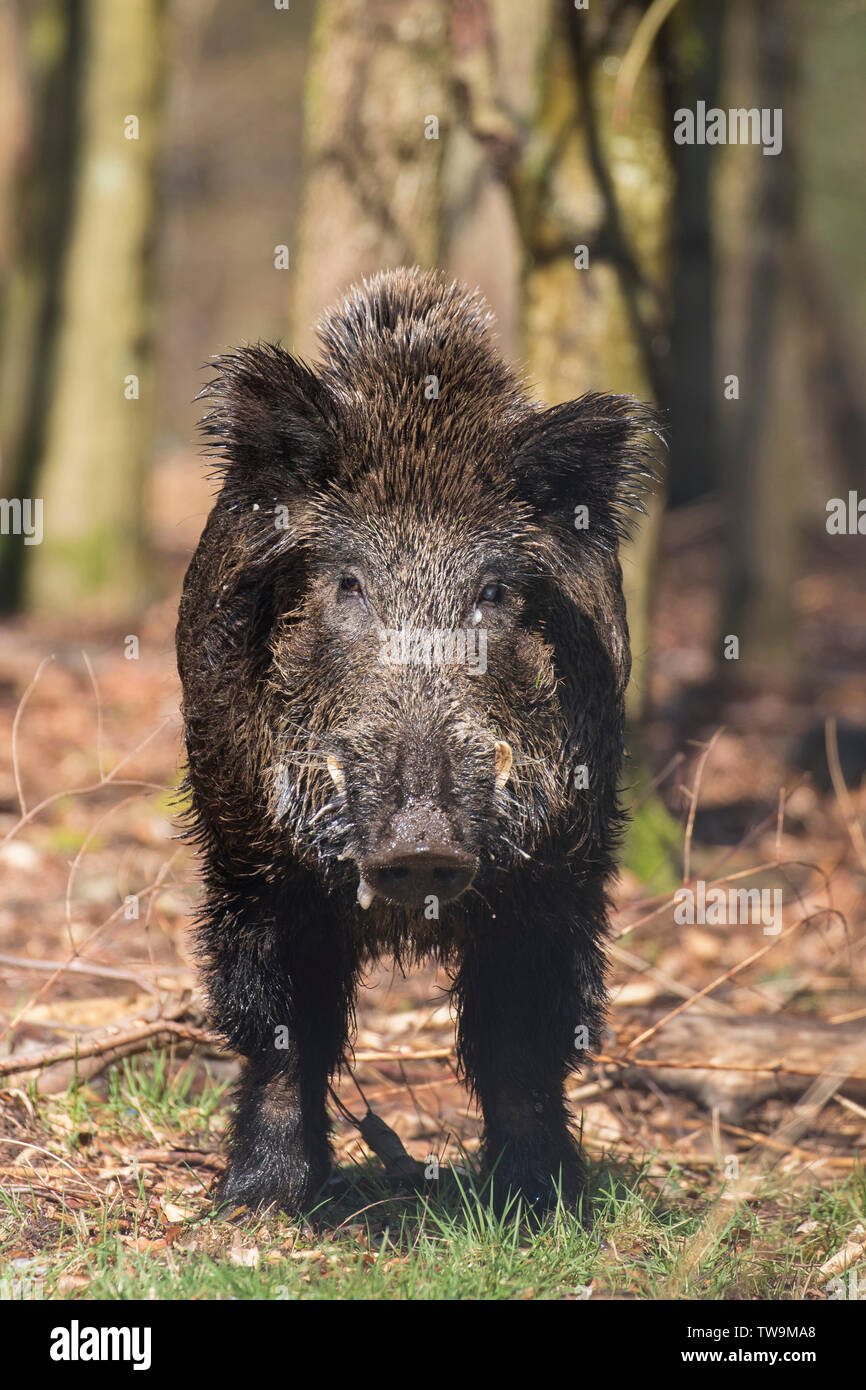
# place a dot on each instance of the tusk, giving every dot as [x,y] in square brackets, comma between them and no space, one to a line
[502,760]
[336,770]
[365,894]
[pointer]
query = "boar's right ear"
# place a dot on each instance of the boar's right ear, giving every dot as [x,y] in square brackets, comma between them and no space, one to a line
[271,413]
[599,453]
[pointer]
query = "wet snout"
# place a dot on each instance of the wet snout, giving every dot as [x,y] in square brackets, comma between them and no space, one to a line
[420,858]
[410,874]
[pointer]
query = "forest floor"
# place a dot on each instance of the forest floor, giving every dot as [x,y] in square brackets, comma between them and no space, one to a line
[733,1174]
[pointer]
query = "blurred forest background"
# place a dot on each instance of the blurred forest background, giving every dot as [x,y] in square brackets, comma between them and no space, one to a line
[179,176]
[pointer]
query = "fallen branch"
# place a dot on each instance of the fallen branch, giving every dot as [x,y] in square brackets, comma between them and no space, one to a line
[430,1054]
[735,1064]
[147,1157]
[764,1068]
[808,1155]
[134,1040]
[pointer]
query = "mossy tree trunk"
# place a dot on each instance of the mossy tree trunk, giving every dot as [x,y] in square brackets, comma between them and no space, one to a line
[97,430]
[44,41]
[592,204]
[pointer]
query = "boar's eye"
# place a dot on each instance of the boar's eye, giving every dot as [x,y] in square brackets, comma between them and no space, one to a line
[350,587]
[492,592]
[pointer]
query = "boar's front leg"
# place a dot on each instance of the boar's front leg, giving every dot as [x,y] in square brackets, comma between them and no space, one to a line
[530,999]
[282,997]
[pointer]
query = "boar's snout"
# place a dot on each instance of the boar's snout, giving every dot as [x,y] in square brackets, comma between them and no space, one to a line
[418,859]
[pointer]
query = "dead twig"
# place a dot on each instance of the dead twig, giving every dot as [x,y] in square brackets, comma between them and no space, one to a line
[150,889]
[37,1148]
[667,982]
[110,779]
[714,984]
[83,967]
[135,1040]
[429,1054]
[158,1157]
[16,770]
[694,795]
[92,674]
[768,1142]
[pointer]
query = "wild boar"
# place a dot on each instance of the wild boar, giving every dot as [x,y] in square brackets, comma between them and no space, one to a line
[403,649]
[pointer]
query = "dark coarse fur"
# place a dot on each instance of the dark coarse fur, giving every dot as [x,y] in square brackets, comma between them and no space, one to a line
[354,499]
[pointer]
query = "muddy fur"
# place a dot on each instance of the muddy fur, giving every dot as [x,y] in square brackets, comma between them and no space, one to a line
[353,499]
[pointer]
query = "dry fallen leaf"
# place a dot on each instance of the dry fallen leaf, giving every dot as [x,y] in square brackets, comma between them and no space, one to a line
[144,1244]
[853,1250]
[175,1214]
[68,1283]
[246,1256]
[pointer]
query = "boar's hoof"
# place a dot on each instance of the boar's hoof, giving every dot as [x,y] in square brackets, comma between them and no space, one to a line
[521,1181]
[257,1191]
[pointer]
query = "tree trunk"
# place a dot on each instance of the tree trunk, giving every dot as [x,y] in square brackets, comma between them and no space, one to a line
[45,42]
[97,432]
[586,181]
[376,88]
[537,92]
[693,51]
[763,456]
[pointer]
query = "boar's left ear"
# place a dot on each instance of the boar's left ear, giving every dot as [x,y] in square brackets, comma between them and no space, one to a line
[270,412]
[598,453]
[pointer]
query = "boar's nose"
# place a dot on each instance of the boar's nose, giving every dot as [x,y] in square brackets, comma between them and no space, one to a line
[419,858]
[409,874]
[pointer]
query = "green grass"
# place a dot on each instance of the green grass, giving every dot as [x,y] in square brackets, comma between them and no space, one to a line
[450,1246]
[168,1099]
[371,1240]
[142,1094]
